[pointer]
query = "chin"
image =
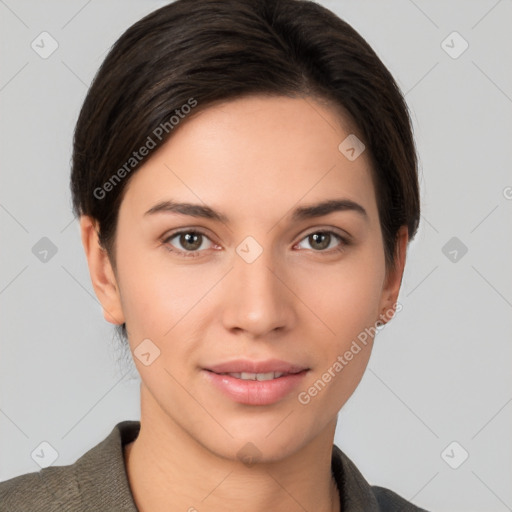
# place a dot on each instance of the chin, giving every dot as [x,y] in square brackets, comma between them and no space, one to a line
[267,439]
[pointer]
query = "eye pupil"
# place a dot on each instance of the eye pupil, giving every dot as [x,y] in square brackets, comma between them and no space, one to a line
[322,239]
[190,240]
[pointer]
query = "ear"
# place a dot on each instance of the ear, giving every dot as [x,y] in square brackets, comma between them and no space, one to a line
[394,277]
[102,275]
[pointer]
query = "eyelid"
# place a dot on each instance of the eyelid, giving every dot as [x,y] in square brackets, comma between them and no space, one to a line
[179,231]
[330,229]
[188,229]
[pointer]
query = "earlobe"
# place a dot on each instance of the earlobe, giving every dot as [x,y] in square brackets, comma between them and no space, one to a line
[394,278]
[100,269]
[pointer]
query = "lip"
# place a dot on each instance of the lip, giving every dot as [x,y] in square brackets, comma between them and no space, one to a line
[254,392]
[248,366]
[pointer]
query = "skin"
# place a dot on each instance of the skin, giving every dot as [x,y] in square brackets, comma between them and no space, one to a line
[255,160]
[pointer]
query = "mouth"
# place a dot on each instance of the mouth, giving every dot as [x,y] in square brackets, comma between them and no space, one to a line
[255,383]
[256,376]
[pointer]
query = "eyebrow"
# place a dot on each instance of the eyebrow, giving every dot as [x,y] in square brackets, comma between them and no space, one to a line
[300,213]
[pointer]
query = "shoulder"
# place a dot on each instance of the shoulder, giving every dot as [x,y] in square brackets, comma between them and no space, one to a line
[97,478]
[47,490]
[391,501]
[357,494]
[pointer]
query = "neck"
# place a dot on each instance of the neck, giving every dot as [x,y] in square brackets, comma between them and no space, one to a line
[170,471]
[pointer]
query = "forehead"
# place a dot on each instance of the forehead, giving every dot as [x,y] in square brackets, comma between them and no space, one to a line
[255,156]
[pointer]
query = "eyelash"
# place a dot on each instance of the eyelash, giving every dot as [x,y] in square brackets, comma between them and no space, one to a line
[345,242]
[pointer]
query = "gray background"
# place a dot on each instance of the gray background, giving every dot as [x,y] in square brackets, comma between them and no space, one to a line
[440,371]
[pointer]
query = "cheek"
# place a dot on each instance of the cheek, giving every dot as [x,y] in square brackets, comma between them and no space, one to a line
[348,307]
[344,296]
[158,294]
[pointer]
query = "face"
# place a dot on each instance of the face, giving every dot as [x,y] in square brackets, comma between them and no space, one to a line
[252,278]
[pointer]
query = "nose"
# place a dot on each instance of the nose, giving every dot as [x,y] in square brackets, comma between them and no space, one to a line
[258,300]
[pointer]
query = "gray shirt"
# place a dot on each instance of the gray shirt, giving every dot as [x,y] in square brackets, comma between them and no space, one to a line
[98,481]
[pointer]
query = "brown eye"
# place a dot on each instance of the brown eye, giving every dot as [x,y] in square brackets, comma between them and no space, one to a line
[190,241]
[187,243]
[319,241]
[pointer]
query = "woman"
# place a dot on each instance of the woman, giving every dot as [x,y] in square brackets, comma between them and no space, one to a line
[246,181]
